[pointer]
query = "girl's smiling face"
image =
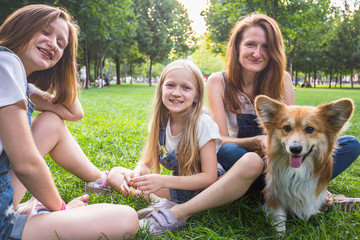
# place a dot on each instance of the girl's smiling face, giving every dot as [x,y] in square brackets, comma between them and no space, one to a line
[179,91]
[46,47]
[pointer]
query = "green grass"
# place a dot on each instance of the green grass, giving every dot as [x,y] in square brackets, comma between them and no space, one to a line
[113,133]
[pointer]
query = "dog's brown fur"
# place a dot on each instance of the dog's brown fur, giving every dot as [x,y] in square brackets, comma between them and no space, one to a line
[301,140]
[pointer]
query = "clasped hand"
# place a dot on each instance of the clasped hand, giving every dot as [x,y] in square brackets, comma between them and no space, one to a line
[147,184]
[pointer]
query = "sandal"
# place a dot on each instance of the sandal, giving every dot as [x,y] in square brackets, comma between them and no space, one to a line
[160,221]
[38,208]
[166,204]
[344,203]
[99,186]
[25,207]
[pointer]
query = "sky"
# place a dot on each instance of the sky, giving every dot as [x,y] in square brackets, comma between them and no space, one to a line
[194,8]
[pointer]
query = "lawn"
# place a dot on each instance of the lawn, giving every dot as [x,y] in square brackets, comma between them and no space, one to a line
[113,133]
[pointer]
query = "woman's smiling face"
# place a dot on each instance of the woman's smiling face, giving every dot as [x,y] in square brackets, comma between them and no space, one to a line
[46,47]
[253,50]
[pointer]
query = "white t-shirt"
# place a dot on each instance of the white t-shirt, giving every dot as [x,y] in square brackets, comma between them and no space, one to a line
[207,130]
[12,81]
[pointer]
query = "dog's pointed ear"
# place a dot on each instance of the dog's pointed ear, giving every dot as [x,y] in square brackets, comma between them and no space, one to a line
[337,113]
[267,109]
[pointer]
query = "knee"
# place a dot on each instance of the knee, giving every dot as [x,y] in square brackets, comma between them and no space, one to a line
[116,178]
[255,165]
[49,121]
[128,221]
[252,163]
[349,144]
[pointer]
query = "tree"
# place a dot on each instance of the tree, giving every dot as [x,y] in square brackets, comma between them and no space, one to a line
[162,27]
[206,60]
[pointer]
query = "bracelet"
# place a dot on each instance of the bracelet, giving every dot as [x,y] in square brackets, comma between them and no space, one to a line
[63,207]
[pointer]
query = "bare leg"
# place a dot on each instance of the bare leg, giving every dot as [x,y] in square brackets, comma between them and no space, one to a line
[19,189]
[52,137]
[90,222]
[228,188]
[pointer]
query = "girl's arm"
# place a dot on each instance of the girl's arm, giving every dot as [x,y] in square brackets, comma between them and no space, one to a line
[152,182]
[26,161]
[43,102]
[215,94]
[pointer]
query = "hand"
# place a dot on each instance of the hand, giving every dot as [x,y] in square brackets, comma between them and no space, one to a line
[149,183]
[78,202]
[262,142]
[127,184]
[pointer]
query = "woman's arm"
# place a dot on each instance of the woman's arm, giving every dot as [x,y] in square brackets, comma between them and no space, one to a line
[26,161]
[43,102]
[215,95]
[152,182]
[289,90]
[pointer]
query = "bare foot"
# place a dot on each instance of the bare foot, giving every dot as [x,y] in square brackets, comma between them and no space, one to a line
[78,202]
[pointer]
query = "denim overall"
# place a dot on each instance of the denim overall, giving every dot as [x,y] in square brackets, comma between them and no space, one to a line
[7,216]
[230,153]
[168,160]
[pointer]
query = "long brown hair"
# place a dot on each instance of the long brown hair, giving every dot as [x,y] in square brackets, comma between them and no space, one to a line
[187,152]
[17,31]
[270,81]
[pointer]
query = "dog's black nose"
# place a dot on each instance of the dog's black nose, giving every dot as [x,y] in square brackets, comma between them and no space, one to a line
[296,148]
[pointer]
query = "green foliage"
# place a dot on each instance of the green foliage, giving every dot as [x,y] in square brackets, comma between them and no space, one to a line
[207,60]
[113,133]
[163,26]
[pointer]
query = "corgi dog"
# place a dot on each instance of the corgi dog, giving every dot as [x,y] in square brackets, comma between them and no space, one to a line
[300,143]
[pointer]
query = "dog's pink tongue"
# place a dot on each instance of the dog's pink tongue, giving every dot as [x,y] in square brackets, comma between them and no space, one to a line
[295,162]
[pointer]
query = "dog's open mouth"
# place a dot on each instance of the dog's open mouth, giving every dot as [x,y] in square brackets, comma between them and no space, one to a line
[296,161]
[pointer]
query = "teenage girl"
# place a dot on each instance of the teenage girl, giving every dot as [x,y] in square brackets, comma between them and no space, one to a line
[38,45]
[182,138]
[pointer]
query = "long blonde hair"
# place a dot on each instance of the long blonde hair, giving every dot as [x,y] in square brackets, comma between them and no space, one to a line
[187,152]
[17,31]
[270,81]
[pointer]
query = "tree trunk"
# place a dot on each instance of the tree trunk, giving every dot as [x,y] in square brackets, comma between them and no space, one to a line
[291,57]
[149,73]
[314,77]
[96,73]
[130,73]
[351,78]
[276,7]
[87,64]
[117,64]
[340,78]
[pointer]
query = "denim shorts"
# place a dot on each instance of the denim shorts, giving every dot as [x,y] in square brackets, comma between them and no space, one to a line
[18,227]
[11,225]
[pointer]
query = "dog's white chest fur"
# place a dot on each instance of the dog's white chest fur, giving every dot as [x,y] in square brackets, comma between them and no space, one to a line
[295,189]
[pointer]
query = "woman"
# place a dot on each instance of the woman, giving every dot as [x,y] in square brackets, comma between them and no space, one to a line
[256,64]
[38,45]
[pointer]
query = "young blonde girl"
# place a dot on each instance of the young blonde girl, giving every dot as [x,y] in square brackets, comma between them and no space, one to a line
[182,138]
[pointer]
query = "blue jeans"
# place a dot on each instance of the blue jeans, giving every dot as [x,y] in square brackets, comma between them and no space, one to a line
[346,153]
